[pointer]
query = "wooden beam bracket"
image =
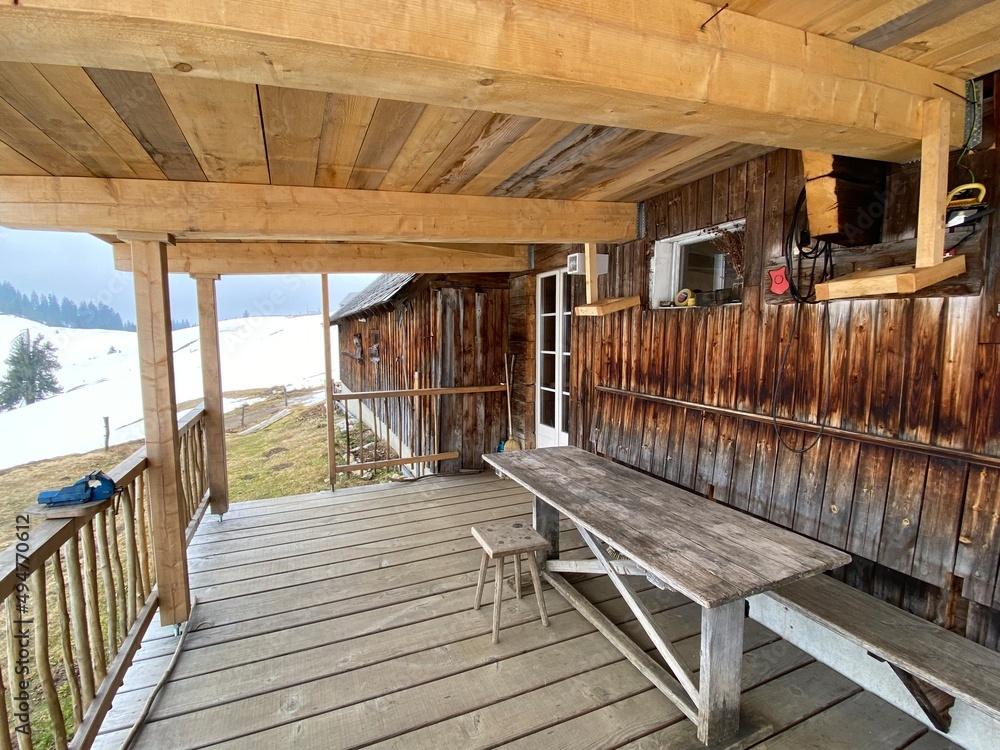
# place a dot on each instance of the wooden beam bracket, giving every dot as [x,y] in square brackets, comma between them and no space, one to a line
[607,306]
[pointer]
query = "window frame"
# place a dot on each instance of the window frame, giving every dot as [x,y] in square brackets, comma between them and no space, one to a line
[665,266]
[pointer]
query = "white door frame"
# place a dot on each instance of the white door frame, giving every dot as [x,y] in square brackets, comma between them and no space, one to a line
[546,434]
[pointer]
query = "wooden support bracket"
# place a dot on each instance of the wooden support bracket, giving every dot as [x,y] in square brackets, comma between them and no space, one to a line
[930,265]
[606,306]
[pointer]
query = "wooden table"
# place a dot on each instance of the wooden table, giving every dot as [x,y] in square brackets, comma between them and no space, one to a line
[713,554]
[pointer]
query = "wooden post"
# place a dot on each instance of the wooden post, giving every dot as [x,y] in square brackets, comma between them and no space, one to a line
[211,376]
[545,519]
[331,431]
[935,115]
[159,408]
[721,666]
[590,258]
[107,433]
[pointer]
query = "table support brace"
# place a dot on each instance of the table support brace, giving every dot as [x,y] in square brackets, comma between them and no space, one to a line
[642,661]
[721,667]
[675,661]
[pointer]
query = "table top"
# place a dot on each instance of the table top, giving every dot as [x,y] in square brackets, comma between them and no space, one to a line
[709,552]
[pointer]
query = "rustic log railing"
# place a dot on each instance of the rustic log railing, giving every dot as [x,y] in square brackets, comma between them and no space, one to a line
[78,594]
[403,422]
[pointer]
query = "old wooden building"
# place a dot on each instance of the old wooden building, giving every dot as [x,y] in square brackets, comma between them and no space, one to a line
[746,253]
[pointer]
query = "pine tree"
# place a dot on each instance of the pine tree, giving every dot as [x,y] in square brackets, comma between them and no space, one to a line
[30,377]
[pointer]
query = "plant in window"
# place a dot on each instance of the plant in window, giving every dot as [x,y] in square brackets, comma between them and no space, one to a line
[732,244]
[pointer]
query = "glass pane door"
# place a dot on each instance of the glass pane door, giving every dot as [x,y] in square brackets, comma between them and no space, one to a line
[553,316]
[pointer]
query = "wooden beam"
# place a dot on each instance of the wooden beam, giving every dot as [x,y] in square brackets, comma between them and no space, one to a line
[159,411]
[744,79]
[331,430]
[211,378]
[935,120]
[304,257]
[590,267]
[275,212]
[607,306]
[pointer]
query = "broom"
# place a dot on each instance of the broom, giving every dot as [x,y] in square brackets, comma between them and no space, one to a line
[512,444]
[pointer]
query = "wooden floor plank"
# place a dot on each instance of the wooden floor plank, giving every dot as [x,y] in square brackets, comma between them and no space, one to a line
[343,619]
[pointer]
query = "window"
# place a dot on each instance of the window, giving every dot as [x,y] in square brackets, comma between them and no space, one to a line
[703,262]
[373,349]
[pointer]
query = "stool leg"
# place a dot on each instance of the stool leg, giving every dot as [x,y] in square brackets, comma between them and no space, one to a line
[536,580]
[497,597]
[482,580]
[517,574]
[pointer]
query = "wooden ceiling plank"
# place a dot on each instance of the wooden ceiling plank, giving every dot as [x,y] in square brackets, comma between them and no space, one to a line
[140,105]
[499,132]
[631,148]
[291,257]
[674,156]
[391,124]
[344,126]
[293,123]
[583,140]
[12,162]
[917,22]
[21,134]
[745,79]
[971,31]
[221,122]
[541,137]
[849,20]
[435,129]
[25,89]
[214,210]
[722,158]
[79,90]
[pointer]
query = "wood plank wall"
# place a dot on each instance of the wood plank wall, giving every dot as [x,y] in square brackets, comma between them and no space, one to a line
[924,370]
[452,335]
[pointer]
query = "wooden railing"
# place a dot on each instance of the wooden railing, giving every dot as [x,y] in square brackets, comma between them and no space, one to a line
[404,421]
[78,594]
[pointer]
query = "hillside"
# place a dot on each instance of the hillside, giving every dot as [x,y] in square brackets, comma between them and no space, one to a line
[100,377]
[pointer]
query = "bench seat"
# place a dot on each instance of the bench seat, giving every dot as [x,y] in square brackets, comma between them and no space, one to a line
[845,628]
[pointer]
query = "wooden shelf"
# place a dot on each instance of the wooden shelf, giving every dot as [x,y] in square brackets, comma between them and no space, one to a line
[893,280]
[606,306]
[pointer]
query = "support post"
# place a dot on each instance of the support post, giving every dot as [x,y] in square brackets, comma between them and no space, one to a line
[935,115]
[590,259]
[331,432]
[211,375]
[545,519]
[159,410]
[719,680]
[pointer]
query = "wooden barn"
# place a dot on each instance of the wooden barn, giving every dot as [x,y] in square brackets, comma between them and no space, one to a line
[744,258]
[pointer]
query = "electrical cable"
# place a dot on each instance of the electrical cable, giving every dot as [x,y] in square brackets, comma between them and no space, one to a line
[977,108]
[797,242]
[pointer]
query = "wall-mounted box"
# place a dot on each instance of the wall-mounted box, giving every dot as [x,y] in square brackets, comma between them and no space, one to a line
[576,264]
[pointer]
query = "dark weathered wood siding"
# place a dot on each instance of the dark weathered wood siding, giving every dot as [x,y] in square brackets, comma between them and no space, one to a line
[924,370]
[446,334]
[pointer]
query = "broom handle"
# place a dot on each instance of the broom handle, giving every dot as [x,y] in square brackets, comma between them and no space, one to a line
[510,414]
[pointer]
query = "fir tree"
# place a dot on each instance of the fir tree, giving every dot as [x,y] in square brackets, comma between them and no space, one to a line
[30,377]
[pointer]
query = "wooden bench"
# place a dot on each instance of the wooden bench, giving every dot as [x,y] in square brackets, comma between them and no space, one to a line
[891,653]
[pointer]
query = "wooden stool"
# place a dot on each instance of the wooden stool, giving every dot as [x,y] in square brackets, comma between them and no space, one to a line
[499,540]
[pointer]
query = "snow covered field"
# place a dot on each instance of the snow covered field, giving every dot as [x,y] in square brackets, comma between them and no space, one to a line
[257,352]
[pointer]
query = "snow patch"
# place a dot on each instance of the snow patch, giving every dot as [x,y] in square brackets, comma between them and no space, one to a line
[256,352]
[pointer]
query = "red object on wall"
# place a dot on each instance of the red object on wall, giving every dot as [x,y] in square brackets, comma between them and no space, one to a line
[779,281]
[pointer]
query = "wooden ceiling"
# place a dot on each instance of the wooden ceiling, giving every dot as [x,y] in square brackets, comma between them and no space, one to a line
[959,37]
[92,122]
[220,122]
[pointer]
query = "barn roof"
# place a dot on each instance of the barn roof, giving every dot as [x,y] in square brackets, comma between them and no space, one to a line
[379,292]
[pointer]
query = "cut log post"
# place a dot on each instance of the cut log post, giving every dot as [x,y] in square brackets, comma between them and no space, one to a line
[168,516]
[211,374]
[845,198]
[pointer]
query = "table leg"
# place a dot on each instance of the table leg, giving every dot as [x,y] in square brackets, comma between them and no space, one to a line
[721,665]
[545,519]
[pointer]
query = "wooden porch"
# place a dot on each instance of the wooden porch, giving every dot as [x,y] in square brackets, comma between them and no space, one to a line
[346,620]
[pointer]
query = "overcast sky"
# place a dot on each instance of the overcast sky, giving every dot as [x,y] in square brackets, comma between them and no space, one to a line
[80,267]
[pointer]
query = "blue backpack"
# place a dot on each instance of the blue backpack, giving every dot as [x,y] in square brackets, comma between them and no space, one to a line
[93,487]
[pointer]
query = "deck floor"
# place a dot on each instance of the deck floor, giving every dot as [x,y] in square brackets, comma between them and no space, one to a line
[345,620]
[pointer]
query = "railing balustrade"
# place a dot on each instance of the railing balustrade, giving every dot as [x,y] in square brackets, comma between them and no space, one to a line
[405,421]
[78,595]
